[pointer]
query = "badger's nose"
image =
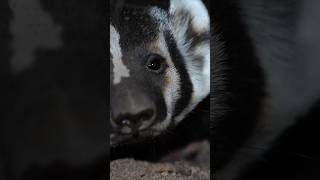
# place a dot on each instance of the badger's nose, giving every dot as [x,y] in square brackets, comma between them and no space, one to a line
[132,110]
[132,123]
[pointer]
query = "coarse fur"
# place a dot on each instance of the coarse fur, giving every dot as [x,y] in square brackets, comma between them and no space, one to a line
[180,33]
[268,82]
[262,80]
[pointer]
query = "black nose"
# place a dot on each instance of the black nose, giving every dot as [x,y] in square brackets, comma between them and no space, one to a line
[130,123]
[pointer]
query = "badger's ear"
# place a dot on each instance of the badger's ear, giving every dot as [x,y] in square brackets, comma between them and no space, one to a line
[189,15]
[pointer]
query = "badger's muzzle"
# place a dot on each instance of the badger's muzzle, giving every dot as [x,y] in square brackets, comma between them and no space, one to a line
[132,111]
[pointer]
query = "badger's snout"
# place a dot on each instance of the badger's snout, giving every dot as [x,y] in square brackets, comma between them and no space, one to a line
[131,111]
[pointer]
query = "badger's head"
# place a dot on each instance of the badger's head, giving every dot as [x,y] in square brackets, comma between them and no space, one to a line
[159,67]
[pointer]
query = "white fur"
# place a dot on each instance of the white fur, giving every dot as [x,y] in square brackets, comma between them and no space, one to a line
[200,81]
[197,10]
[199,78]
[200,23]
[160,17]
[119,69]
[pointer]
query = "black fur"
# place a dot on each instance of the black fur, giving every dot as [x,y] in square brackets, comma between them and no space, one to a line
[295,155]
[243,82]
[155,147]
[186,86]
[239,88]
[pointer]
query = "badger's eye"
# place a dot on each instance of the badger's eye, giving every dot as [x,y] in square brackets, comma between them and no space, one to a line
[155,63]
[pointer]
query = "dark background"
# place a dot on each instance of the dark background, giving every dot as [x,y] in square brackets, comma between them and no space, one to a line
[53,120]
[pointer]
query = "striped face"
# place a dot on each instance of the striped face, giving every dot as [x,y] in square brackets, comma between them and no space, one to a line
[159,67]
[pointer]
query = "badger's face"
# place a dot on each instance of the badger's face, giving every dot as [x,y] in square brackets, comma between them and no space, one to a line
[159,67]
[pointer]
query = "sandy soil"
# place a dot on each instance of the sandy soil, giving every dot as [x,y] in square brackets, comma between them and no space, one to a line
[129,169]
[197,169]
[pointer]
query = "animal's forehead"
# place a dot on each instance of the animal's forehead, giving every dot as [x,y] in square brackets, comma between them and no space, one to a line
[136,26]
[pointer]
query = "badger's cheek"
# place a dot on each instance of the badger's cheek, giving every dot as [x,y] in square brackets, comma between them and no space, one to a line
[170,90]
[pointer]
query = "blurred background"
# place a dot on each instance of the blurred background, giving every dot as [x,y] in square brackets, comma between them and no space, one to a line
[53,120]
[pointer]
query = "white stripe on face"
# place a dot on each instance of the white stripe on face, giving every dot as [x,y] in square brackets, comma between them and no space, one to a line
[119,69]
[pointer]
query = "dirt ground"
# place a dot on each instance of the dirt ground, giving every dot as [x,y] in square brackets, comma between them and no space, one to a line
[129,169]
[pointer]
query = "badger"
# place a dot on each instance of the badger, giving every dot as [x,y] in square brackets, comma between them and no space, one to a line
[159,73]
[247,80]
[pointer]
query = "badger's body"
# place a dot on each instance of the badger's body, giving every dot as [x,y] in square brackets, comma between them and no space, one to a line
[266,102]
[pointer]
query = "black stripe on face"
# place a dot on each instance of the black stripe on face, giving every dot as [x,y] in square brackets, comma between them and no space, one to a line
[186,85]
[159,100]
